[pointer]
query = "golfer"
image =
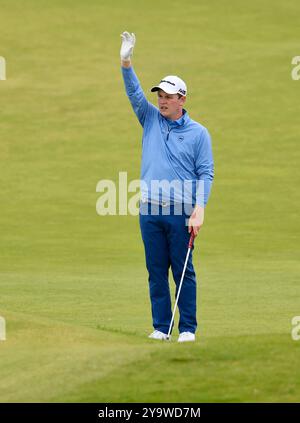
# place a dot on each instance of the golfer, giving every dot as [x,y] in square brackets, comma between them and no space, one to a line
[176,176]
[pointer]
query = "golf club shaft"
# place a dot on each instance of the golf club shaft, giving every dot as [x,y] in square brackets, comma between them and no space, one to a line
[182,277]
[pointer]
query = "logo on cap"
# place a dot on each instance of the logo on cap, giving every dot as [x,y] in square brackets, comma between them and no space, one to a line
[168,82]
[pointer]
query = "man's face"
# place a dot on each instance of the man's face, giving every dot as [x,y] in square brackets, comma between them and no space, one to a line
[170,105]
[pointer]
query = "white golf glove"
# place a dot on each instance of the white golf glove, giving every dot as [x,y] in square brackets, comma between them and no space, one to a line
[128,42]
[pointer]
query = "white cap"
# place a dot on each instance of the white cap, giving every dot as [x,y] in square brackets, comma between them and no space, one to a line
[171,85]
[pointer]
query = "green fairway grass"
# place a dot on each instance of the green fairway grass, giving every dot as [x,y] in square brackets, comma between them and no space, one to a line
[73,284]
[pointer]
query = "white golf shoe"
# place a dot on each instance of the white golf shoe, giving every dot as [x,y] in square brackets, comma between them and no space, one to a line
[186,337]
[158,335]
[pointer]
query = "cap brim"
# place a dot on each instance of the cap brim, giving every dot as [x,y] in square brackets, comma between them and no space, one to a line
[153,89]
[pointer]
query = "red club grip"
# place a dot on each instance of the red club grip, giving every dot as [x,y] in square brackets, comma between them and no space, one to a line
[192,237]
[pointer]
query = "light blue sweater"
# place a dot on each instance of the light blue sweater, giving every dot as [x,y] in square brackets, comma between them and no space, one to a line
[177,161]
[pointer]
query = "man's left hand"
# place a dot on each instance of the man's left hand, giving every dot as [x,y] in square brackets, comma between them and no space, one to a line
[196,220]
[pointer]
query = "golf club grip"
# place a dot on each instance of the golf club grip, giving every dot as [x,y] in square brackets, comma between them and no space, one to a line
[192,237]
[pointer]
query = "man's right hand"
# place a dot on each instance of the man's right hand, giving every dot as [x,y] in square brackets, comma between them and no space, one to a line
[128,42]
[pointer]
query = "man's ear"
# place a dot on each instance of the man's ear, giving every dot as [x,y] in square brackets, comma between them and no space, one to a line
[182,100]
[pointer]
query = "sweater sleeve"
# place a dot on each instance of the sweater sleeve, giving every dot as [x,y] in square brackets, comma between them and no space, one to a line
[204,168]
[139,103]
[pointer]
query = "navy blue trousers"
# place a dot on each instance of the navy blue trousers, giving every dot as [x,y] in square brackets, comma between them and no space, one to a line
[166,241]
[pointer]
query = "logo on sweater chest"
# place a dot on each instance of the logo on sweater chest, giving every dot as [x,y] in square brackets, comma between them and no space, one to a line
[180,138]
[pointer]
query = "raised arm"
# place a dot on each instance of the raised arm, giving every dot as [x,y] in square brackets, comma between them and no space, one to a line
[134,91]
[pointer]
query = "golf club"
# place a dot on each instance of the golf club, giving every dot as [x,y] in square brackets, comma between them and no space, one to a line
[192,237]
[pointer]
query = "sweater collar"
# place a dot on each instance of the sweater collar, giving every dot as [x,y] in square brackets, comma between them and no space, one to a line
[179,122]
